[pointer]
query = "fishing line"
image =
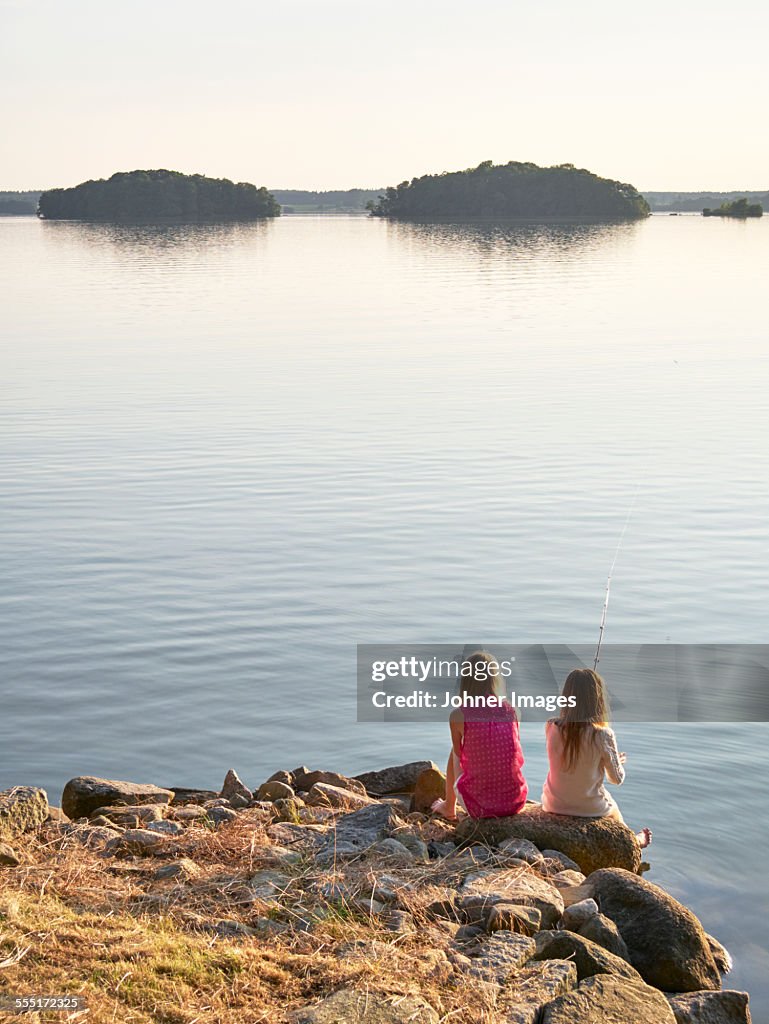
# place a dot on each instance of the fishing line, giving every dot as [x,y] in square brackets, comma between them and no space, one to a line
[605,608]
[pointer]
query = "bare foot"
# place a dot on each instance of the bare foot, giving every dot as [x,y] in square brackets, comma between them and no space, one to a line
[442,808]
[644,837]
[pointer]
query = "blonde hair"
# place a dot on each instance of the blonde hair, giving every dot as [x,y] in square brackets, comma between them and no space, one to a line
[589,712]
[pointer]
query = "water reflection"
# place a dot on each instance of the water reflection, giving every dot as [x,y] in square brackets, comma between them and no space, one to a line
[161,241]
[516,240]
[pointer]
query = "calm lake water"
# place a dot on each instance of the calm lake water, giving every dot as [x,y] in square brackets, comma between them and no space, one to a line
[232,453]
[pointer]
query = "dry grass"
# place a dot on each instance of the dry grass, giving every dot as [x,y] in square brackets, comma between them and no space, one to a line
[74,922]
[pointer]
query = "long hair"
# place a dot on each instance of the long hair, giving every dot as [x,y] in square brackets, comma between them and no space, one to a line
[479,675]
[590,712]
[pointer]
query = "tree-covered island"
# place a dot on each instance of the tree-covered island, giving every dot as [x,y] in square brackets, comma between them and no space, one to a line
[512,191]
[740,208]
[158,197]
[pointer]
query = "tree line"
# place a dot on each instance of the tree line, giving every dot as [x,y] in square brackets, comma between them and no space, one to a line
[160,195]
[511,191]
[740,208]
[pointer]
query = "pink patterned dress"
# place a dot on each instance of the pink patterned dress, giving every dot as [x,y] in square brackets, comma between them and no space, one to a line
[491,783]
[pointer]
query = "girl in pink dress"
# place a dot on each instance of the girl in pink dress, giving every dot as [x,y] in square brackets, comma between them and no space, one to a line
[485,768]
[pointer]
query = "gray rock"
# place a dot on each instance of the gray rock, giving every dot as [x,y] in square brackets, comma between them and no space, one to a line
[362,828]
[391,849]
[183,795]
[592,843]
[336,853]
[85,793]
[398,921]
[511,917]
[304,838]
[268,886]
[307,780]
[417,847]
[514,886]
[469,933]
[217,801]
[603,930]
[721,955]
[235,790]
[228,928]
[666,942]
[588,957]
[221,815]
[727,1007]
[100,820]
[389,888]
[8,856]
[579,913]
[323,794]
[93,837]
[557,861]
[473,856]
[501,955]
[135,816]
[166,828]
[281,855]
[438,850]
[189,815]
[136,841]
[184,870]
[56,814]
[348,1006]
[567,879]
[399,778]
[21,808]
[610,1000]
[282,776]
[274,790]
[533,986]
[523,850]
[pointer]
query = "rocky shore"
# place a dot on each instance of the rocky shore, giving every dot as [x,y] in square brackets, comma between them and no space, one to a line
[321,899]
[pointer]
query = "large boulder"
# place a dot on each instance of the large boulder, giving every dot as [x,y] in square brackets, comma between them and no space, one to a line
[84,794]
[593,843]
[610,1000]
[348,1006]
[21,808]
[666,942]
[399,778]
[728,1007]
[589,957]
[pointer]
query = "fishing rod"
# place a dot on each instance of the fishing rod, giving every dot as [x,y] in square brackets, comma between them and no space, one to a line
[605,609]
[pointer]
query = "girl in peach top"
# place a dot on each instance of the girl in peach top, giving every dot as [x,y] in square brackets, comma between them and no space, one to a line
[583,755]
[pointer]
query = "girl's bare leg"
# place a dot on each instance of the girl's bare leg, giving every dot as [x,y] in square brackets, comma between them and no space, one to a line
[448,806]
[644,837]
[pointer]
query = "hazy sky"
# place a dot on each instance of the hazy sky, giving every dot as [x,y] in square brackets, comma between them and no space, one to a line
[344,93]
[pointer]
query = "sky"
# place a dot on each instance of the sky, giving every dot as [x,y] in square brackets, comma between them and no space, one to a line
[324,94]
